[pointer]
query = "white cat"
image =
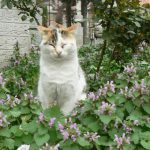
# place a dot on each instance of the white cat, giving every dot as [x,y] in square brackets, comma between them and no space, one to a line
[61,77]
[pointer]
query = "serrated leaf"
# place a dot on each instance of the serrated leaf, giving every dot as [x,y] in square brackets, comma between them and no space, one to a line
[94,126]
[146,108]
[145,144]
[145,135]
[28,139]
[88,120]
[5,132]
[42,129]
[10,143]
[16,131]
[129,106]
[52,112]
[135,137]
[103,140]
[29,127]
[41,139]
[105,119]
[83,142]
[15,113]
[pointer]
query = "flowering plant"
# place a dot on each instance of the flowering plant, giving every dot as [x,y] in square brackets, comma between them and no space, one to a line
[116,116]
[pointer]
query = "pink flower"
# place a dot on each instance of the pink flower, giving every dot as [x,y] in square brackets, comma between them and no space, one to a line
[73,137]
[60,126]
[106,108]
[130,69]
[2,101]
[121,140]
[73,126]
[91,136]
[110,86]
[3,120]
[92,96]
[65,134]
[41,117]
[52,121]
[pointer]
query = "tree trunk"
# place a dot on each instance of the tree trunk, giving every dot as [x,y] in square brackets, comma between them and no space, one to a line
[68,12]
[84,4]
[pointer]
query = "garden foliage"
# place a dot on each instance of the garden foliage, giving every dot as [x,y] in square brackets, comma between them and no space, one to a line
[115,116]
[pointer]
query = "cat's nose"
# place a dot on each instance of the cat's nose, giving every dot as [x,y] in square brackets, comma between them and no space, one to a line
[59,53]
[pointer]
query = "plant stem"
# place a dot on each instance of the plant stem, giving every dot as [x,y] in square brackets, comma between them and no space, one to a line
[102,52]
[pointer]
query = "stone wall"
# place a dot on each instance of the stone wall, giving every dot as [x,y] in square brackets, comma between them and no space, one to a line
[12,30]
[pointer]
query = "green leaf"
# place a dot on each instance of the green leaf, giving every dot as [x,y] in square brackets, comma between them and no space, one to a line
[30,127]
[3,3]
[105,119]
[28,139]
[53,135]
[83,142]
[135,137]
[24,17]
[135,115]
[136,93]
[16,131]
[71,147]
[9,5]
[33,147]
[52,112]
[131,32]
[42,129]
[41,139]
[137,24]
[145,135]
[103,140]
[94,126]
[146,144]
[5,132]
[10,143]
[25,110]
[15,113]
[146,108]
[129,106]
[88,120]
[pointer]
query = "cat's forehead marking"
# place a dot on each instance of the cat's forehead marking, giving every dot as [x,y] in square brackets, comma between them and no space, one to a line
[54,35]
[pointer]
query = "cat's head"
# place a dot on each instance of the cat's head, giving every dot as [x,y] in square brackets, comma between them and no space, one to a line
[59,41]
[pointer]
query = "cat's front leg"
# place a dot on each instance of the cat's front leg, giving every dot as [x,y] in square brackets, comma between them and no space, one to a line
[68,106]
[47,94]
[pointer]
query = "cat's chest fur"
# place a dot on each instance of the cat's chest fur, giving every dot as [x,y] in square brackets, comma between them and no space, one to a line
[59,72]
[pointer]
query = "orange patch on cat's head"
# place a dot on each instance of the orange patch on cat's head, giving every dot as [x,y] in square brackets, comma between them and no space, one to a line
[45,32]
[70,29]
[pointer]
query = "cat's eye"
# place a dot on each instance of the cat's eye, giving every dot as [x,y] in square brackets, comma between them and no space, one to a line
[51,45]
[63,32]
[62,45]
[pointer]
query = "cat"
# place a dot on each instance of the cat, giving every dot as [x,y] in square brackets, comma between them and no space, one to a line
[61,78]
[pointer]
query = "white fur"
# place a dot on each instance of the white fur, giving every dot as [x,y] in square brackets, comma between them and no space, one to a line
[61,78]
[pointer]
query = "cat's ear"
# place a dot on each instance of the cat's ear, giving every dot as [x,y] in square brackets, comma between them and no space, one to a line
[43,30]
[72,28]
[55,24]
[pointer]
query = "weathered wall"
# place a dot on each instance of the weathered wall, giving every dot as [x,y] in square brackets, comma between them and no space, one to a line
[12,29]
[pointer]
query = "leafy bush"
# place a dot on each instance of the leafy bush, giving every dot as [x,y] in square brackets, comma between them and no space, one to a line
[116,116]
